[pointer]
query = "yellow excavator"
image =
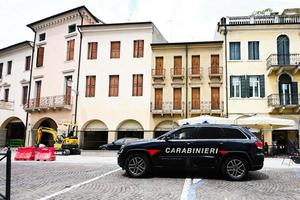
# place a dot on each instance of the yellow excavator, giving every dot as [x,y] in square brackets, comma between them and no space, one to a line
[67,144]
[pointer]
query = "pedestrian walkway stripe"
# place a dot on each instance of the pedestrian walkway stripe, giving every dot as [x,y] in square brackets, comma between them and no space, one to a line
[79,184]
[189,189]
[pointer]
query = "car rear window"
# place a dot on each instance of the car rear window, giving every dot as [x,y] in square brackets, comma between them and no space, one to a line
[208,133]
[231,133]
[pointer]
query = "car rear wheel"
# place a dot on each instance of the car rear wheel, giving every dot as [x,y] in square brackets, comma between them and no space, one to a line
[137,165]
[235,168]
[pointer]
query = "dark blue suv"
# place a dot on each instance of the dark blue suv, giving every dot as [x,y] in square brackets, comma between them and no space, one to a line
[230,149]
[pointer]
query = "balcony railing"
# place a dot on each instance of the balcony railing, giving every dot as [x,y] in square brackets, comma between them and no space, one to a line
[165,108]
[7,105]
[158,73]
[280,100]
[264,19]
[283,60]
[195,72]
[177,73]
[205,107]
[51,102]
[215,72]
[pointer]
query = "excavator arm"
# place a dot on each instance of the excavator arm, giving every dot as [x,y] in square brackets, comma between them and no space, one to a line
[50,131]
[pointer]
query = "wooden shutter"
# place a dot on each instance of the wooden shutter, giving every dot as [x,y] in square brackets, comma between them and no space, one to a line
[6,95]
[159,65]
[196,98]
[87,87]
[140,85]
[1,70]
[70,49]
[215,64]
[140,48]
[40,57]
[294,91]
[68,91]
[196,64]
[25,93]
[113,85]
[93,86]
[9,65]
[262,85]
[92,50]
[115,49]
[177,65]
[135,48]
[177,98]
[231,87]
[215,98]
[27,62]
[158,98]
[38,93]
[244,86]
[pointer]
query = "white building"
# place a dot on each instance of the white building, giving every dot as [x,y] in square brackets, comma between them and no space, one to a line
[14,84]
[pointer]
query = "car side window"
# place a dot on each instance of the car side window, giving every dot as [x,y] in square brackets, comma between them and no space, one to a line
[230,133]
[184,133]
[120,141]
[209,133]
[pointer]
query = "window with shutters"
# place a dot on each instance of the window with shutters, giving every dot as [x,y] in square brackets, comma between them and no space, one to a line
[42,37]
[137,88]
[24,94]
[90,86]
[234,50]
[40,57]
[70,49]
[92,50]
[159,66]
[177,65]
[254,86]
[158,101]
[253,50]
[27,63]
[196,98]
[196,64]
[1,70]
[138,48]
[247,86]
[115,49]
[113,86]
[236,86]
[9,66]
[177,98]
[6,95]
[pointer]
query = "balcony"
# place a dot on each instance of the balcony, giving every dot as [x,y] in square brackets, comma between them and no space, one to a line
[167,108]
[288,103]
[265,19]
[48,103]
[215,73]
[195,72]
[158,74]
[177,73]
[277,63]
[205,107]
[7,105]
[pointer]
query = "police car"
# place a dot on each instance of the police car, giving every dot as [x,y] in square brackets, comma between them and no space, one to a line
[232,150]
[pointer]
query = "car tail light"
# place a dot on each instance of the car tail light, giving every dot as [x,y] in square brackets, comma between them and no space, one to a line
[259,145]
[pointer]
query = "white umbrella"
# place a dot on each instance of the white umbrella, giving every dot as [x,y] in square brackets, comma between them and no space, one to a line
[261,122]
[206,119]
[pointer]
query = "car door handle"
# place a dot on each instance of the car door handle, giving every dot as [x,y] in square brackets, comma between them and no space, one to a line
[221,143]
[188,143]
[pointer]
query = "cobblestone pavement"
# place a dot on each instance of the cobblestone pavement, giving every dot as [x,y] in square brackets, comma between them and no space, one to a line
[34,180]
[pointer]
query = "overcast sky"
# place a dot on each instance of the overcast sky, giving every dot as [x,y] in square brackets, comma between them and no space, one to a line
[178,20]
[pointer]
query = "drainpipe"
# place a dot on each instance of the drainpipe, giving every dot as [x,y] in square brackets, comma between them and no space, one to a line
[29,89]
[186,82]
[226,73]
[78,72]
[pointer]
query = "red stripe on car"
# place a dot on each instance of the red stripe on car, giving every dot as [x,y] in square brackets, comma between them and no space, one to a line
[152,151]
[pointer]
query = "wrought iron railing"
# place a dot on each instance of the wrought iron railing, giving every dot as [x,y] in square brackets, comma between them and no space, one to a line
[283,60]
[7,105]
[205,107]
[263,19]
[167,108]
[177,72]
[49,102]
[195,72]
[281,100]
[158,73]
[7,155]
[215,71]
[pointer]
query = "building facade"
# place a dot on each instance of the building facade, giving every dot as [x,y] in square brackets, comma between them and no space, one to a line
[262,57]
[15,63]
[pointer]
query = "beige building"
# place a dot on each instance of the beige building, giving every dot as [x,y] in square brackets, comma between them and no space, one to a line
[262,59]
[187,81]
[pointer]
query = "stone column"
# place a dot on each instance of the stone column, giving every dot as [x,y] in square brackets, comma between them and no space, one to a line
[148,135]
[112,136]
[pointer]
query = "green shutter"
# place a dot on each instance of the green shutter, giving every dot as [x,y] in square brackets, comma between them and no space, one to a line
[231,87]
[294,93]
[262,85]
[244,87]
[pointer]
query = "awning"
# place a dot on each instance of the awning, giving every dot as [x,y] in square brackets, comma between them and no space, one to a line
[206,119]
[261,122]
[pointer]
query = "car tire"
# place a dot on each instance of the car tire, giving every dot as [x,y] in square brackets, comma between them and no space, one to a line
[235,168]
[138,166]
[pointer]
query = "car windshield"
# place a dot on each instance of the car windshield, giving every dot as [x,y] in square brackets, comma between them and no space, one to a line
[162,137]
[120,141]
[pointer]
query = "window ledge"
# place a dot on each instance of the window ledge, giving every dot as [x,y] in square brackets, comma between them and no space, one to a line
[41,43]
[247,98]
[69,35]
[235,61]
[70,61]
[254,60]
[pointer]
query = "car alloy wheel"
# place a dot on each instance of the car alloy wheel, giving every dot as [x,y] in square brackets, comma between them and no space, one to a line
[137,166]
[236,168]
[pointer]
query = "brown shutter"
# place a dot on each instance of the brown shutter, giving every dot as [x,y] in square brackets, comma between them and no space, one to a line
[215,64]
[196,98]
[140,85]
[158,98]
[196,64]
[68,92]
[40,57]
[1,70]
[70,49]
[135,48]
[135,85]
[87,86]
[27,62]
[93,86]
[140,48]
[114,85]
[115,49]
[25,93]
[90,50]
[215,98]
[94,50]
[159,65]
[38,93]
[177,65]
[177,99]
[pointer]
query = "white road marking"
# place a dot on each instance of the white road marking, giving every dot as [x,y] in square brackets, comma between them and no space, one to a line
[186,189]
[79,184]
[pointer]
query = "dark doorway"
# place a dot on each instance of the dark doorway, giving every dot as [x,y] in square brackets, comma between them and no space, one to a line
[93,139]
[159,133]
[285,142]
[288,90]
[133,134]
[15,135]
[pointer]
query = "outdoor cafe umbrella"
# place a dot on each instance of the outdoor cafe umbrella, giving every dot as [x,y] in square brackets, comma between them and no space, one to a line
[260,122]
[206,119]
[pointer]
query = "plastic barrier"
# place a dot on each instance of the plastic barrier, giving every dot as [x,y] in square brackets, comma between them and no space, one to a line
[45,154]
[25,153]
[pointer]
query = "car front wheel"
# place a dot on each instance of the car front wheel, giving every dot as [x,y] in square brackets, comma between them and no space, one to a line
[235,168]
[137,165]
